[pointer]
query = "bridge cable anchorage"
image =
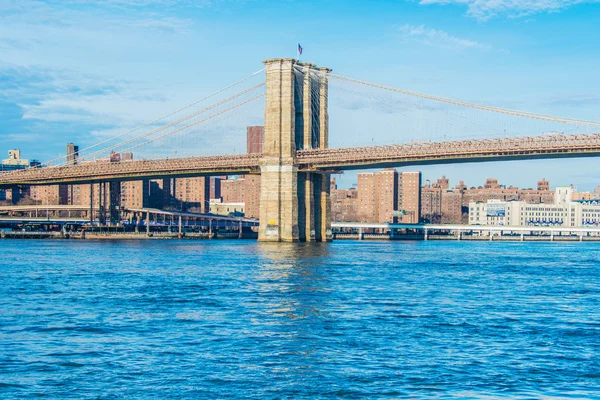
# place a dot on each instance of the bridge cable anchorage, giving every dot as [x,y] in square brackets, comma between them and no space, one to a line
[471,105]
[197,122]
[173,123]
[160,118]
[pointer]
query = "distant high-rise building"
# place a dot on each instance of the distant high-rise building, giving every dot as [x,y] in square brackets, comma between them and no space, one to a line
[193,194]
[451,206]
[491,183]
[493,191]
[86,194]
[161,193]
[344,204]
[386,192]
[461,186]
[440,204]
[252,196]
[50,195]
[135,194]
[381,194]
[543,185]
[72,154]
[431,204]
[215,186]
[409,197]
[114,157]
[254,139]
[442,183]
[366,197]
[14,161]
[14,194]
[233,190]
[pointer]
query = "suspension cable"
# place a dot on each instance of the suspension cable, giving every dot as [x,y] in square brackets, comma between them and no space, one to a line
[472,105]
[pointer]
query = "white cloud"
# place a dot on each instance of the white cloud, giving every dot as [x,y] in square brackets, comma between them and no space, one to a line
[438,38]
[485,9]
[61,66]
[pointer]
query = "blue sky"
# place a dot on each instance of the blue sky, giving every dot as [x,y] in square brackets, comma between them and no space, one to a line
[75,70]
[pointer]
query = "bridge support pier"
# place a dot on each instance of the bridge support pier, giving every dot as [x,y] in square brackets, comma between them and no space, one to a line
[91,204]
[148,223]
[102,203]
[294,205]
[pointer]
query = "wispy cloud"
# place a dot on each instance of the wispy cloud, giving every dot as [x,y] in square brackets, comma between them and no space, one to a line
[43,99]
[53,81]
[486,9]
[438,38]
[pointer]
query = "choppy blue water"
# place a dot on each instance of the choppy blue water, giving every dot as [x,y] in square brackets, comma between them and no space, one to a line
[224,319]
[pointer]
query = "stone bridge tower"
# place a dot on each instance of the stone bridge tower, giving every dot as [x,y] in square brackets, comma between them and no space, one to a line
[294,206]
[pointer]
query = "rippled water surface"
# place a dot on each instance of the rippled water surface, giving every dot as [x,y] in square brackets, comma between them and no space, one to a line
[222,319]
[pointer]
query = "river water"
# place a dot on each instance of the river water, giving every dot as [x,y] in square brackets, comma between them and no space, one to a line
[223,319]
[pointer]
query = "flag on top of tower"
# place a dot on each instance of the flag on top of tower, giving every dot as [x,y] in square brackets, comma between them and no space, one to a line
[299,49]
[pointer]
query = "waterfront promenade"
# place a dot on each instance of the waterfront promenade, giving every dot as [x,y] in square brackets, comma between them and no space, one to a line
[341,231]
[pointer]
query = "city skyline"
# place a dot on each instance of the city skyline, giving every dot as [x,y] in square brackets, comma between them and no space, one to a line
[80,85]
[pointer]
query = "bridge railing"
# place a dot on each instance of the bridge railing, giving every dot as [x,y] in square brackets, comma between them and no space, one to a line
[124,168]
[458,149]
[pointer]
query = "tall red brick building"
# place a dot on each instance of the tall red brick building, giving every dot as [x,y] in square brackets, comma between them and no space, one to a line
[409,197]
[192,194]
[254,140]
[389,196]
[233,190]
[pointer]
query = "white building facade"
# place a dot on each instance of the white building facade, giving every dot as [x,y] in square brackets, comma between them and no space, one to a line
[563,213]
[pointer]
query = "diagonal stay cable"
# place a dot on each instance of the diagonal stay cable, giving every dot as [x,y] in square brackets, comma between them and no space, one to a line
[160,118]
[171,124]
[197,122]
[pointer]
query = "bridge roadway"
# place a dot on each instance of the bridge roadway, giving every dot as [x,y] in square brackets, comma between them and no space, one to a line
[465,151]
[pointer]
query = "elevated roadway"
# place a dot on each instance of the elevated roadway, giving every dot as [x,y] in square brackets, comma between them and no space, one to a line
[449,152]
[332,159]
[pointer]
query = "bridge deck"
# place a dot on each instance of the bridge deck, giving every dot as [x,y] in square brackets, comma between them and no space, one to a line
[465,151]
[550,146]
[134,170]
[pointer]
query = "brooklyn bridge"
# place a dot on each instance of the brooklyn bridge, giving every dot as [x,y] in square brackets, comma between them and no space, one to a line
[296,161]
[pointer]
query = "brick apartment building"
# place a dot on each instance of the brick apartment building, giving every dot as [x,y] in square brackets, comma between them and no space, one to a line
[389,196]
